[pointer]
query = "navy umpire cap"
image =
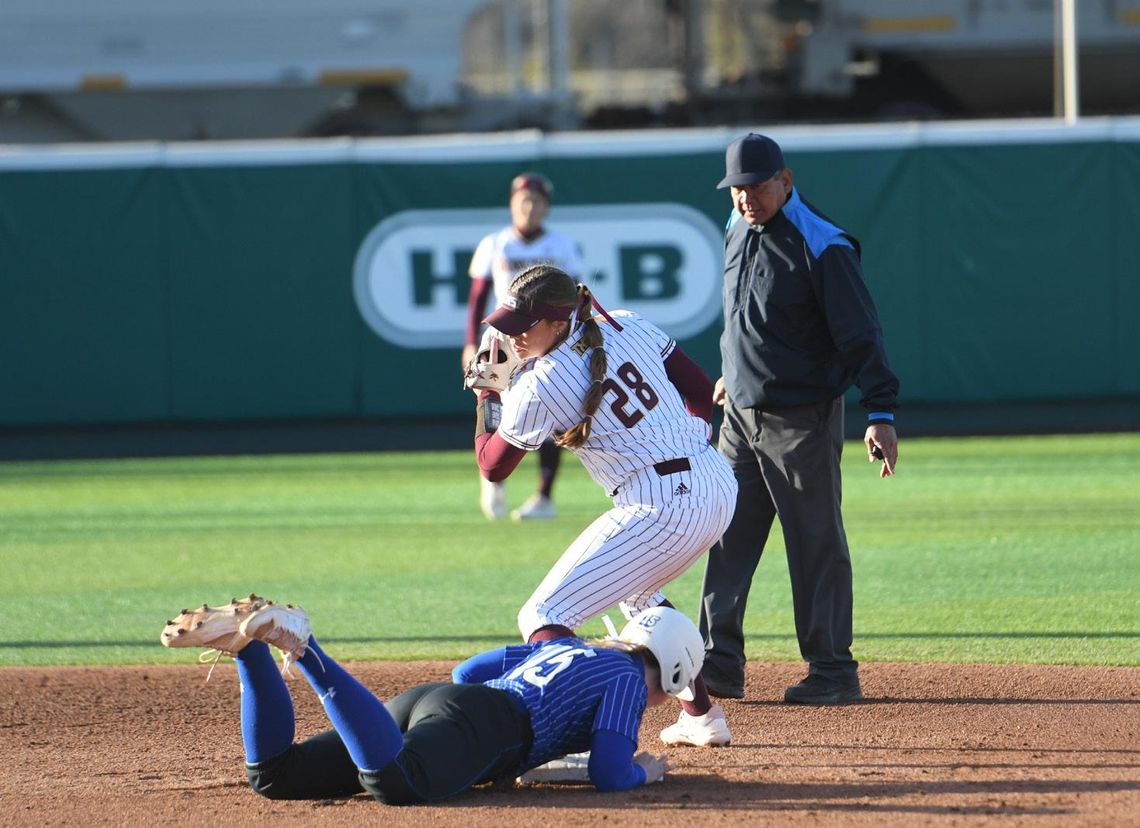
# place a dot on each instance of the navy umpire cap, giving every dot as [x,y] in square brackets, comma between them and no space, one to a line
[751,160]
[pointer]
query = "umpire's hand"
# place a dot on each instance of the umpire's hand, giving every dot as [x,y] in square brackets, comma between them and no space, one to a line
[882,436]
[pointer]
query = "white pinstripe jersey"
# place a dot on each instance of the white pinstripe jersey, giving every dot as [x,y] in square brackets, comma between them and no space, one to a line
[504,255]
[641,421]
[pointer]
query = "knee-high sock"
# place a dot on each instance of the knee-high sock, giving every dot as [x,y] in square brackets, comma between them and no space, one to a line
[701,703]
[267,724]
[368,731]
[549,457]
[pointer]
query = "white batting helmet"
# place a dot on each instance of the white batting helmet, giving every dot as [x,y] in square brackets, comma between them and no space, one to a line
[674,641]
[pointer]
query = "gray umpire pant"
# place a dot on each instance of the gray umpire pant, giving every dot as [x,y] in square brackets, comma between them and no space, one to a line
[786,463]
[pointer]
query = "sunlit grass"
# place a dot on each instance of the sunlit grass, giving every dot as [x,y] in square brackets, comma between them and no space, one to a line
[999,550]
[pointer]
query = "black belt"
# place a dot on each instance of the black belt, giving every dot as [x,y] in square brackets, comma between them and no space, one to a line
[665,467]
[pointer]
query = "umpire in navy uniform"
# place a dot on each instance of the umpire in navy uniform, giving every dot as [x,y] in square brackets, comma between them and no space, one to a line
[799,329]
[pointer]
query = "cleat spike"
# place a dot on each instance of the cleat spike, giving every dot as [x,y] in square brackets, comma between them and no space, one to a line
[213,627]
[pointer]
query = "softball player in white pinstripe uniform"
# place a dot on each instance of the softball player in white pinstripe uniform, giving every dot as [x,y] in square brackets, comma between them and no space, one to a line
[621,394]
[498,259]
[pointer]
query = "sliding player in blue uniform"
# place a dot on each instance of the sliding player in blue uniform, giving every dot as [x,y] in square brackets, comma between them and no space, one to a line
[509,710]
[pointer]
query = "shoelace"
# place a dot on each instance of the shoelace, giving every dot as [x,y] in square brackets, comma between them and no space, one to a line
[287,661]
[213,656]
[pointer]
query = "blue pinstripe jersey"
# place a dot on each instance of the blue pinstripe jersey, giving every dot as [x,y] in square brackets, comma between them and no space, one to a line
[571,690]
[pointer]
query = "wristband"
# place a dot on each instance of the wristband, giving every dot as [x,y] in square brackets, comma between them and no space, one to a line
[488,414]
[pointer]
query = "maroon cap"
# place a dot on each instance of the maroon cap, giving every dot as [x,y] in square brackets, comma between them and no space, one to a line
[533,181]
[516,316]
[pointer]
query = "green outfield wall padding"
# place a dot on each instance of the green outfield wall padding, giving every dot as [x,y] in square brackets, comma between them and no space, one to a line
[1124,226]
[247,288]
[262,323]
[85,325]
[1020,277]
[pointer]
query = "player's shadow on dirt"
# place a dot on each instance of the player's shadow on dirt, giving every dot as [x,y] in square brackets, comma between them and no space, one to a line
[961,700]
[702,793]
[985,701]
[827,796]
[893,749]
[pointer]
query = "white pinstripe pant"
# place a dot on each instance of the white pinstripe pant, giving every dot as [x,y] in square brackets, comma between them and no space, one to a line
[658,527]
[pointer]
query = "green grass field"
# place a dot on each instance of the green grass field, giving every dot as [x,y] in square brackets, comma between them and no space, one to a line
[995,550]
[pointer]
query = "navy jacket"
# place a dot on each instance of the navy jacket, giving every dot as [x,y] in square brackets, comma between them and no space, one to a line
[800,326]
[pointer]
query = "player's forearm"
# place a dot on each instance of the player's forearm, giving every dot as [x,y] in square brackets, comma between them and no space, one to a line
[496,457]
[611,762]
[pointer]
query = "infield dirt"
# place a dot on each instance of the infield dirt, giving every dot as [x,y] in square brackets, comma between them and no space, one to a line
[932,745]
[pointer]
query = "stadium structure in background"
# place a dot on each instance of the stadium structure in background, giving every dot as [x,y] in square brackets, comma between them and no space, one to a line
[116,70]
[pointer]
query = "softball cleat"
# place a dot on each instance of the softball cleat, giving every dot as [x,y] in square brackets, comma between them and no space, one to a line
[492,499]
[213,628]
[537,507]
[283,626]
[709,730]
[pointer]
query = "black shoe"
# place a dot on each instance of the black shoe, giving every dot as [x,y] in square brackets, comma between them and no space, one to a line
[817,690]
[719,686]
[724,691]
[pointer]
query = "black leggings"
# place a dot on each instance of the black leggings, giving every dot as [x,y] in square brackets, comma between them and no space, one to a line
[455,736]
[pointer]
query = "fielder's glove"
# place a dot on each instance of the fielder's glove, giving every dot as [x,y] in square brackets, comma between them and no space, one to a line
[494,364]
